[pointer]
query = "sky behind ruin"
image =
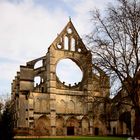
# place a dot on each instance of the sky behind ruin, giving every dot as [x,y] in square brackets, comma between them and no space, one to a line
[28,27]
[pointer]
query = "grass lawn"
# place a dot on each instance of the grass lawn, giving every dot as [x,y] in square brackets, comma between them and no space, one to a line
[77,138]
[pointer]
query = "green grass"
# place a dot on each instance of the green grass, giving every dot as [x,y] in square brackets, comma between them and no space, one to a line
[76,138]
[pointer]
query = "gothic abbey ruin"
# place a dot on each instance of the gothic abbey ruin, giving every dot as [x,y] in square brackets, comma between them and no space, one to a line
[53,108]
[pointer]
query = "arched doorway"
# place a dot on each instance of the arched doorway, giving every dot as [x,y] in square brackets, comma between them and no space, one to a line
[96,131]
[72,126]
[98,128]
[42,126]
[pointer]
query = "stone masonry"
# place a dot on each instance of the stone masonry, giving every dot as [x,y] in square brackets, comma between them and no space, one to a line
[51,107]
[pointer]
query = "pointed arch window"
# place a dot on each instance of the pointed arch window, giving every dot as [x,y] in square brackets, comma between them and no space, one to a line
[72,44]
[66,43]
[71,107]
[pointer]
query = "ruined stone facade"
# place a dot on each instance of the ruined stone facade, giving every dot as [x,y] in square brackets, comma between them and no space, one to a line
[51,107]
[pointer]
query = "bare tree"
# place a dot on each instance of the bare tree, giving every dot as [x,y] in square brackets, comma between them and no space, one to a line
[115,43]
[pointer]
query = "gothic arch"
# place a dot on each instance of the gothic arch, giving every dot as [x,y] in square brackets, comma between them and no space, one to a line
[42,126]
[79,106]
[59,126]
[61,106]
[66,42]
[73,43]
[85,126]
[71,106]
[73,122]
[99,128]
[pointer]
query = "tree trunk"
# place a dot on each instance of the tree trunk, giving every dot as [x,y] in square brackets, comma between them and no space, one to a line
[137,124]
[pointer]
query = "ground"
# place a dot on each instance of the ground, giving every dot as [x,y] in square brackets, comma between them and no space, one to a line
[77,138]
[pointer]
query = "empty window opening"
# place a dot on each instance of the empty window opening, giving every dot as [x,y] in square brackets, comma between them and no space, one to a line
[59,46]
[79,50]
[37,81]
[38,64]
[69,30]
[66,43]
[72,44]
[69,72]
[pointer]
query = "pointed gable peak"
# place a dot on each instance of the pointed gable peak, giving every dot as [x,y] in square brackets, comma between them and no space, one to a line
[69,39]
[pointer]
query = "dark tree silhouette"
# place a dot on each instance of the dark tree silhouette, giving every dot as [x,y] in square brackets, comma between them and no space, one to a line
[6,123]
[115,43]
[1,106]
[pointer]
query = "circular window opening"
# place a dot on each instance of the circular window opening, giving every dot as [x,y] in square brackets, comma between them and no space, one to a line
[59,46]
[68,72]
[69,30]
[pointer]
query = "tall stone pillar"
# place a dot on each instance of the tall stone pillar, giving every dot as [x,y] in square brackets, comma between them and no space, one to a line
[51,89]
[52,114]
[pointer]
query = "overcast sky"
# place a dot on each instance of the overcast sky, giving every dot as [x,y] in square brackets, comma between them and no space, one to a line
[28,27]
